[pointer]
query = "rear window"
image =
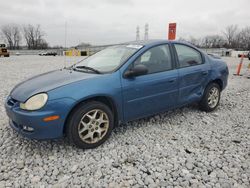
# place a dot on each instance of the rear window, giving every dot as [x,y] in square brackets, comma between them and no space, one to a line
[187,56]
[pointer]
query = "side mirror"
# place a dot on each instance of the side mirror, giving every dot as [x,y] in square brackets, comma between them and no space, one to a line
[138,70]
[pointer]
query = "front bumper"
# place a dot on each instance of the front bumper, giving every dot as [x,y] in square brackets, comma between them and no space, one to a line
[30,123]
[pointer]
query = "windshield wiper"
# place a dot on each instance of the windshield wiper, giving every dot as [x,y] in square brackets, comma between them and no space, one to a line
[87,68]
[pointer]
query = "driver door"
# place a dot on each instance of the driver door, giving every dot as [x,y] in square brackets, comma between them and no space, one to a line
[154,92]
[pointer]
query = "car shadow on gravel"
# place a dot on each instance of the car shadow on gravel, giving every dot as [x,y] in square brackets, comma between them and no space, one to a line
[157,118]
[38,144]
[47,146]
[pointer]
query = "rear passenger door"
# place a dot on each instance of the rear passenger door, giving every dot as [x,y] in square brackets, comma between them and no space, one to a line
[193,73]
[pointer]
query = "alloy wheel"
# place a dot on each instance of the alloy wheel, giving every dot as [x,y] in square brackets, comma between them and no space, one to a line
[213,97]
[93,126]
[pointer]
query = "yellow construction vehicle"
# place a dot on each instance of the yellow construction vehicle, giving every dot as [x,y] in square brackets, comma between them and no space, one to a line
[3,51]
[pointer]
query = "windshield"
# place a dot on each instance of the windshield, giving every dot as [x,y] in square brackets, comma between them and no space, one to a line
[110,58]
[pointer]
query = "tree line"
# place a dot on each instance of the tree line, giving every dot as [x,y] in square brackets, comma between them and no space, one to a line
[232,37]
[33,36]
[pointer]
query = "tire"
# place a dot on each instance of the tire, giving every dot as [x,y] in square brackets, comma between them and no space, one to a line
[7,56]
[207,104]
[90,125]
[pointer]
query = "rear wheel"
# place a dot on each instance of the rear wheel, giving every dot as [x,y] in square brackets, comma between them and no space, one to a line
[211,97]
[90,125]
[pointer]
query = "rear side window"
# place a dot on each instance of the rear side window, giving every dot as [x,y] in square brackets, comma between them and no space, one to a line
[187,56]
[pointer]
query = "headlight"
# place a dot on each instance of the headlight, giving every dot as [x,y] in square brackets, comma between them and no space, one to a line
[35,102]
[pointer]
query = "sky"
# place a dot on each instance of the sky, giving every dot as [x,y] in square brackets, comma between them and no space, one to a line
[113,21]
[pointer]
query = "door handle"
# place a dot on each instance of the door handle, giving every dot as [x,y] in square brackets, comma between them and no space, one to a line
[205,73]
[172,80]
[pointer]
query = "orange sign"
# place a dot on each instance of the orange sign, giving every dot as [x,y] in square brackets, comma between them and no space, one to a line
[172,31]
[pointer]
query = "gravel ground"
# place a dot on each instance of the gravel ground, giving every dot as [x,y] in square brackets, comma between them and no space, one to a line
[179,148]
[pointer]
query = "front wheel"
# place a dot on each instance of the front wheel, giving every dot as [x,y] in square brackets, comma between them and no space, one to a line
[211,97]
[90,125]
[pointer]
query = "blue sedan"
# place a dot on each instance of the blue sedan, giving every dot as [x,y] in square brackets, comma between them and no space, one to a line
[118,84]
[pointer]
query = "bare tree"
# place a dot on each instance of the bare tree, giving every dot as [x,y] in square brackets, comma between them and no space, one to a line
[12,35]
[232,38]
[7,33]
[195,41]
[192,40]
[243,39]
[28,33]
[34,37]
[213,41]
[230,34]
[16,36]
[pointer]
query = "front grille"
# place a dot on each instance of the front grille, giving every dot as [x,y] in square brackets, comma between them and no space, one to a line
[4,50]
[11,101]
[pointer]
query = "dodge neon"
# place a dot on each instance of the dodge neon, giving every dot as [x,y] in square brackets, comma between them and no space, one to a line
[84,102]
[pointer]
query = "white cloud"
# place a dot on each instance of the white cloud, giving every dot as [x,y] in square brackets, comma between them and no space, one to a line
[112,21]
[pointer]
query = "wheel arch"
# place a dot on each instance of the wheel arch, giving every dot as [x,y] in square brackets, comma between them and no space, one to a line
[100,98]
[219,82]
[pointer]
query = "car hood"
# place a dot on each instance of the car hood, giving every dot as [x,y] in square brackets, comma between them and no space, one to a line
[46,82]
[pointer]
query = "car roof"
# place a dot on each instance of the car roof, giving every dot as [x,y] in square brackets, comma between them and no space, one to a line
[154,42]
[150,43]
[147,42]
[157,41]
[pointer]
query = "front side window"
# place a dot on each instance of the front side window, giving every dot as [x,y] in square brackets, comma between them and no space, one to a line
[156,59]
[110,58]
[187,56]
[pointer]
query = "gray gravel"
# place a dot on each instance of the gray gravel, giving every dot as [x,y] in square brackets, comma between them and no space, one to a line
[179,148]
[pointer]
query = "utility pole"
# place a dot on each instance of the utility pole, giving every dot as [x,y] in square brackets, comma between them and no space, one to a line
[146,32]
[137,33]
